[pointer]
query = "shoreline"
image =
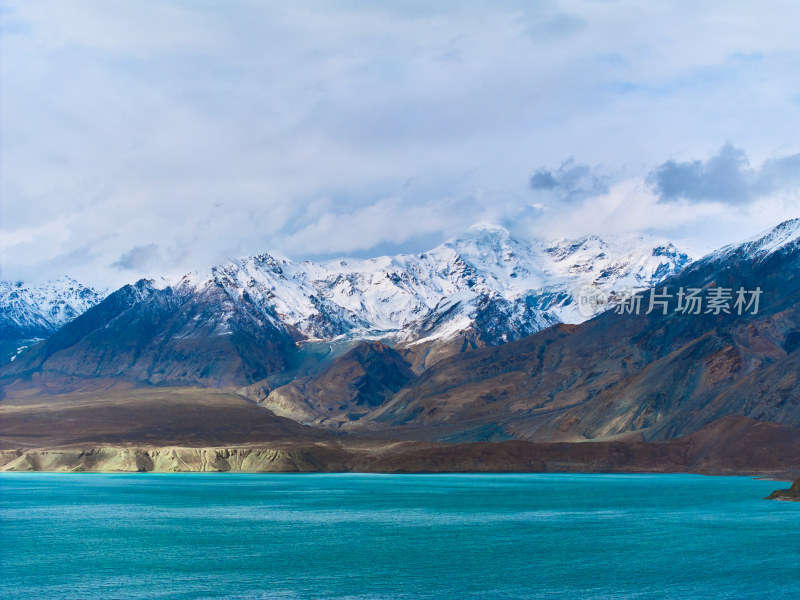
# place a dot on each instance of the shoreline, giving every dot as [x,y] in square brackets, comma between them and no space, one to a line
[383,458]
[413,474]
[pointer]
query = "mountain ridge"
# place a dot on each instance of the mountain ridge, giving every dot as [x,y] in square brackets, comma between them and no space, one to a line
[482,288]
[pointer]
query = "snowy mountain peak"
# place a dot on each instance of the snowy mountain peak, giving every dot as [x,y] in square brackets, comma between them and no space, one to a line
[524,285]
[767,242]
[781,236]
[37,309]
[483,237]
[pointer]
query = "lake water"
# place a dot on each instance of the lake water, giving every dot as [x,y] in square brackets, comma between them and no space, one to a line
[87,536]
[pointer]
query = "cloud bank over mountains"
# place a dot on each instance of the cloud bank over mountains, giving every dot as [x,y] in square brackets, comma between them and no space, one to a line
[570,182]
[725,177]
[143,138]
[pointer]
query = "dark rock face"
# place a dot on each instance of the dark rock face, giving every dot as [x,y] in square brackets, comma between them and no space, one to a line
[791,495]
[163,336]
[356,383]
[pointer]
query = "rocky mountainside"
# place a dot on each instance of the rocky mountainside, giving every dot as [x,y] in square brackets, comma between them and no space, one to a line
[172,335]
[623,375]
[790,495]
[242,321]
[349,388]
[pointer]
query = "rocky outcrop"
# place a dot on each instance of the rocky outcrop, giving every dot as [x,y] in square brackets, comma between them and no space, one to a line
[791,495]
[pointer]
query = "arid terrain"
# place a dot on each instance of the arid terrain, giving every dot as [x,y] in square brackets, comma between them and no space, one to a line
[194,429]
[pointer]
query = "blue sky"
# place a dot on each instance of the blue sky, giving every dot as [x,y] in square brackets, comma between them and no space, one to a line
[140,138]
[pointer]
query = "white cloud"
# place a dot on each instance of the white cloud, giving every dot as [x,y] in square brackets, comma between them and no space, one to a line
[210,129]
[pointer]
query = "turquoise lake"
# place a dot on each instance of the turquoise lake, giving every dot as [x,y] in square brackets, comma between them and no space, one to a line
[193,536]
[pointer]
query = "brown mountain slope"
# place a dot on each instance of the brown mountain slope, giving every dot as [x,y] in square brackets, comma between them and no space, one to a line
[732,445]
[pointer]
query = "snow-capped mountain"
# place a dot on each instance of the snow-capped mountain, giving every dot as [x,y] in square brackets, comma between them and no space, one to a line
[486,279]
[35,310]
[242,320]
[654,376]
